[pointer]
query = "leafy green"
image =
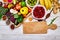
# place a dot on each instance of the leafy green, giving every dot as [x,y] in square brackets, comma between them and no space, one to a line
[16,15]
[0,16]
[32,2]
[3,10]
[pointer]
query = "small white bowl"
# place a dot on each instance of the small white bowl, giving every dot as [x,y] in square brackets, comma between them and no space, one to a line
[30,5]
[38,18]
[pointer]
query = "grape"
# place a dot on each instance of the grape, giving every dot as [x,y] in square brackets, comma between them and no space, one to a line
[12,19]
[8,14]
[0,3]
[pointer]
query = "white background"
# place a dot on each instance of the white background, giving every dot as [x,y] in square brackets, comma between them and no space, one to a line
[17,34]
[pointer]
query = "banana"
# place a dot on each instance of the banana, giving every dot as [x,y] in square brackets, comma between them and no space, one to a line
[51,0]
[42,2]
[46,4]
[50,4]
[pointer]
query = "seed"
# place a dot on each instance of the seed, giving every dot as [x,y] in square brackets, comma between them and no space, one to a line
[30,19]
[8,22]
[12,26]
[4,17]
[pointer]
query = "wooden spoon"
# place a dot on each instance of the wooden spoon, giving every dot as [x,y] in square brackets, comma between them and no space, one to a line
[48,15]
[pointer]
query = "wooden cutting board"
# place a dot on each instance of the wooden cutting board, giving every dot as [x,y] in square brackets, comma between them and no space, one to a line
[35,27]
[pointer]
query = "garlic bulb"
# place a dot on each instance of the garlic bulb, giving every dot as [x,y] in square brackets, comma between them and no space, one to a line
[13,11]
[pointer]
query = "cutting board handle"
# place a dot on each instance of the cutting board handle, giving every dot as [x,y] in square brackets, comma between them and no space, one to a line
[52,26]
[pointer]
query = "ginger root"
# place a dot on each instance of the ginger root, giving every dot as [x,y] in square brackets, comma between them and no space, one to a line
[56,6]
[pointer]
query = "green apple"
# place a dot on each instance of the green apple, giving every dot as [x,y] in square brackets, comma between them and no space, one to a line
[23,3]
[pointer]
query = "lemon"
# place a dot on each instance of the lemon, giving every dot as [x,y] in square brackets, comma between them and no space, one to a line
[24,10]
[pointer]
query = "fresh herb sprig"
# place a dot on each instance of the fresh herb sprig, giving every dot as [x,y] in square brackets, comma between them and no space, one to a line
[53,20]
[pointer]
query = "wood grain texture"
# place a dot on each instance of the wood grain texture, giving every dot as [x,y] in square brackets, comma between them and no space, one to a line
[35,27]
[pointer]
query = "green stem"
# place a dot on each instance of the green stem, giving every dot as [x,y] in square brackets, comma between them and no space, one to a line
[53,20]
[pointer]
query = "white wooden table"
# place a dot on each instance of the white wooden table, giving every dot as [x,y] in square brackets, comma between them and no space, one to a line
[17,34]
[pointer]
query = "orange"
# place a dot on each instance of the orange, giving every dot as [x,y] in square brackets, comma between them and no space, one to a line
[5,0]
